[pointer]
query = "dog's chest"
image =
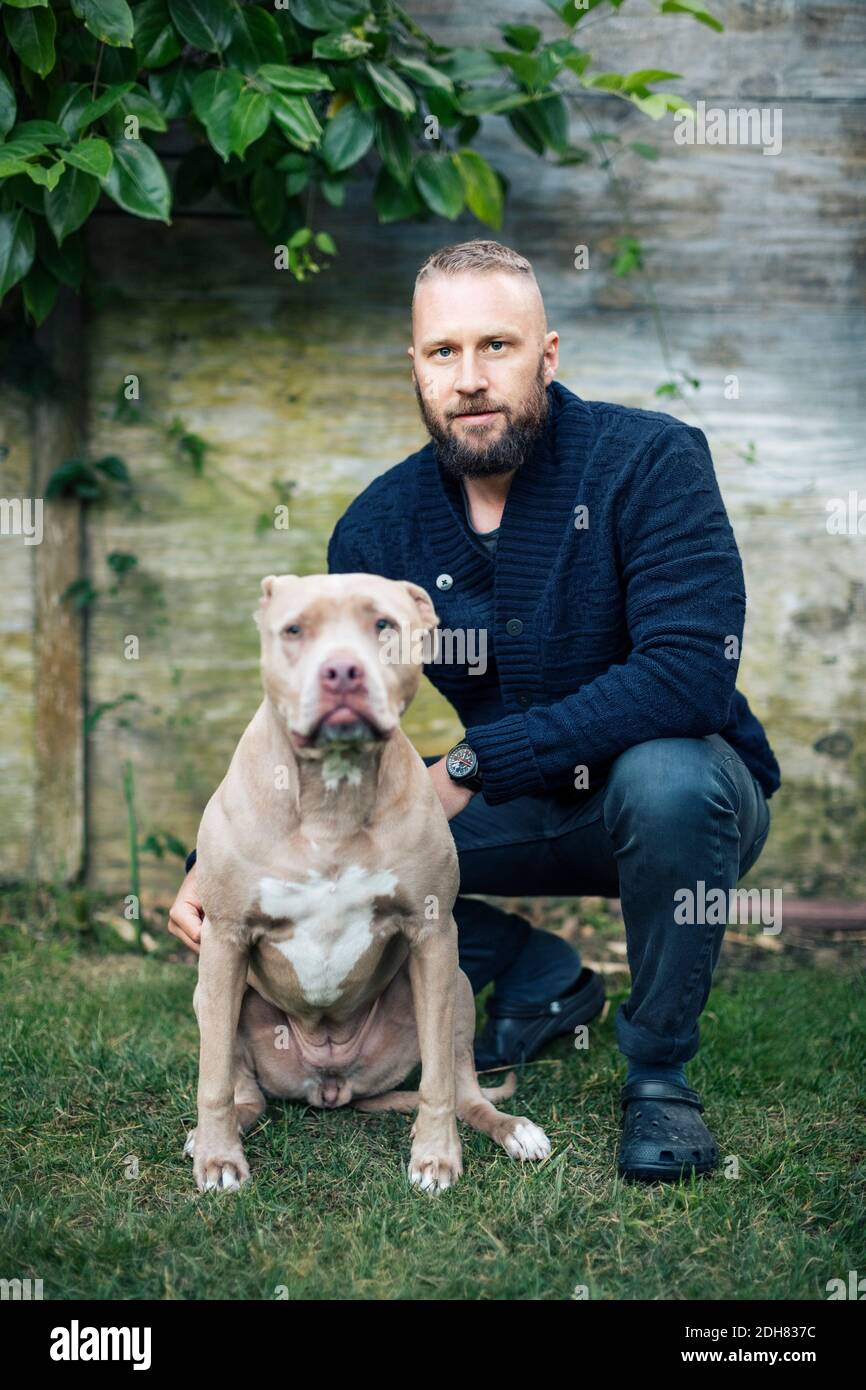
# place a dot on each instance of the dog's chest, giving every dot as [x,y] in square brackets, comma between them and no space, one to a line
[333,921]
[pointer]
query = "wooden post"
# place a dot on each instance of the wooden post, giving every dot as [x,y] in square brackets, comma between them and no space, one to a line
[58,434]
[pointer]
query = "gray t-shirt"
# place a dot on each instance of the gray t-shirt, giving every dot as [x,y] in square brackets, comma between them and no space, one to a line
[487,538]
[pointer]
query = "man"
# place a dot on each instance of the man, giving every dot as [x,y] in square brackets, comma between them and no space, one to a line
[607,750]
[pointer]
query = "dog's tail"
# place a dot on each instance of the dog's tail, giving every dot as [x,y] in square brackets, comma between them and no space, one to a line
[405,1102]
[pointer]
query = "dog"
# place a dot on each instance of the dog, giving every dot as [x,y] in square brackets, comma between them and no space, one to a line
[328,874]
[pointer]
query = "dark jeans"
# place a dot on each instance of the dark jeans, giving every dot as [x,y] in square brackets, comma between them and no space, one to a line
[671,812]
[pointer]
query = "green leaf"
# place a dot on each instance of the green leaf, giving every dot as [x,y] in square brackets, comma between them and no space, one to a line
[94,109]
[45,177]
[65,262]
[392,89]
[31,33]
[347,137]
[17,248]
[250,118]
[695,9]
[488,101]
[424,74]
[393,202]
[46,132]
[341,46]
[481,186]
[214,94]
[645,151]
[93,156]
[471,65]
[137,181]
[296,79]
[333,191]
[206,24]
[156,41]
[256,40]
[40,291]
[8,105]
[170,90]
[140,104]
[658,103]
[325,242]
[110,21]
[25,4]
[268,199]
[296,118]
[645,76]
[66,105]
[523,36]
[440,185]
[325,14]
[70,204]
[394,145]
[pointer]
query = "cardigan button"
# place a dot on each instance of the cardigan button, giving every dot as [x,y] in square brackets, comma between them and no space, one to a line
[514,627]
[524,699]
[444,581]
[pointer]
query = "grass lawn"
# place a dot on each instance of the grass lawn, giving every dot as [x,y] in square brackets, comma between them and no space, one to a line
[100,1058]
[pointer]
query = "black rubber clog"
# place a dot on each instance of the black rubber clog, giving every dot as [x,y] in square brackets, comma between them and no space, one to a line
[664,1138]
[517,1034]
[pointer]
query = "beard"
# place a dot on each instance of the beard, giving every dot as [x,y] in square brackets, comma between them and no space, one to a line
[505,454]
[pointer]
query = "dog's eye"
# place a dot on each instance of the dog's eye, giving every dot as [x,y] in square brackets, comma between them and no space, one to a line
[382,623]
[292,630]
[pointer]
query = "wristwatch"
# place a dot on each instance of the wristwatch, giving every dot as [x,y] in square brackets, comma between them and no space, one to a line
[461,764]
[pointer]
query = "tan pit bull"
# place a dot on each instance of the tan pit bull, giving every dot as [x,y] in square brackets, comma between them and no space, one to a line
[328,874]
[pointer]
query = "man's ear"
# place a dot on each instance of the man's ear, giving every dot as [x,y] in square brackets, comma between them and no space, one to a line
[424,604]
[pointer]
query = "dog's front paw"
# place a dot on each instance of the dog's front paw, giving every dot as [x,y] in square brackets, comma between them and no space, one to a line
[217,1166]
[435,1167]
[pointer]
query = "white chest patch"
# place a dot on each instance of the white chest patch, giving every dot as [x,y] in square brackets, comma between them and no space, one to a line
[333,921]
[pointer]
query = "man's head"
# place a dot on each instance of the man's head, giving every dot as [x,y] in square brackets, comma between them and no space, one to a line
[482,356]
[326,667]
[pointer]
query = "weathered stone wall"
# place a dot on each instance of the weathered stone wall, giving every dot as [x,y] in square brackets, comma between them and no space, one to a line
[755,268]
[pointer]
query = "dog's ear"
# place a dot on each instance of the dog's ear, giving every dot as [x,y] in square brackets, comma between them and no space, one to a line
[268,587]
[424,604]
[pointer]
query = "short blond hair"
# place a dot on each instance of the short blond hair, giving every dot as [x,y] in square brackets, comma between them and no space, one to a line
[477,255]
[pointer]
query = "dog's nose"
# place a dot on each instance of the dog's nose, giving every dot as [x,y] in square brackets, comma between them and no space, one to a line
[341,673]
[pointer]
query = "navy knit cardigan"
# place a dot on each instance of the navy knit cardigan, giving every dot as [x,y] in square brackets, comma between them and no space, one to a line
[608,626]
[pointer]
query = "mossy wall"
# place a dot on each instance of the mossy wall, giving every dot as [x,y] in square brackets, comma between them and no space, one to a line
[755,271]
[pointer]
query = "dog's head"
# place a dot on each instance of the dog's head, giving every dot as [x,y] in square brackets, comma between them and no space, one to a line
[342,653]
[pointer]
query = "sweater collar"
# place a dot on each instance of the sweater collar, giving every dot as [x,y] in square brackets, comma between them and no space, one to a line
[541,497]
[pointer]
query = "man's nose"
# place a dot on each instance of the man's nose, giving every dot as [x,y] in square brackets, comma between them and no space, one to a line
[470,377]
[340,673]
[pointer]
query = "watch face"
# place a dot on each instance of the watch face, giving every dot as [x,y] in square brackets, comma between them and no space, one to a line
[461,761]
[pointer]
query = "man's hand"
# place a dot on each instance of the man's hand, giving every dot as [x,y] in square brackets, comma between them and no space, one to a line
[454,798]
[187,914]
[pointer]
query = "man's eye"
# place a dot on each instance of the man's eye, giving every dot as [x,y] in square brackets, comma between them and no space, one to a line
[292,630]
[382,623]
[443,349]
[497,343]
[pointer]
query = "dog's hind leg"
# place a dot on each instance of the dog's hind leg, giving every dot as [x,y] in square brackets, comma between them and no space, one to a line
[518,1136]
